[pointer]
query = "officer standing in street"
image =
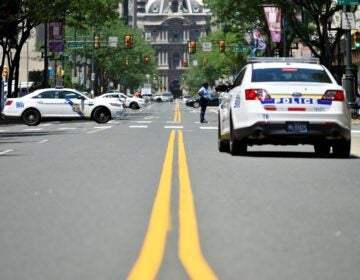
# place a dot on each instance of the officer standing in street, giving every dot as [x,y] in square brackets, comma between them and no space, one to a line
[204,97]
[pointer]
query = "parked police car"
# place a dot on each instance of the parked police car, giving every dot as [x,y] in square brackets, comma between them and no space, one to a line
[60,103]
[284,101]
[129,102]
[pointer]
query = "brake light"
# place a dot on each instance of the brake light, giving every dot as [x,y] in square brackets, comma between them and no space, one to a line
[334,95]
[8,102]
[256,94]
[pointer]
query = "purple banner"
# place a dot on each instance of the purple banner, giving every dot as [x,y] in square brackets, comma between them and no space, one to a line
[273,18]
[56,36]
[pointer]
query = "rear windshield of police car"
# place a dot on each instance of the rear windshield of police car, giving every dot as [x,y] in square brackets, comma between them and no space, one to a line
[290,75]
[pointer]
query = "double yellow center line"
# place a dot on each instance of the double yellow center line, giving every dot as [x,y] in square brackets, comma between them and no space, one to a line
[151,255]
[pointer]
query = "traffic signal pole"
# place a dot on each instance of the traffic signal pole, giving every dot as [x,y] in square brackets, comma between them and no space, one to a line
[349,78]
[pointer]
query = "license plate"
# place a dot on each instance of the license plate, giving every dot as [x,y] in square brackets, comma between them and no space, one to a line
[297,127]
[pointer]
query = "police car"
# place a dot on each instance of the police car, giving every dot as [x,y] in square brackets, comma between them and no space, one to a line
[284,101]
[60,103]
[129,102]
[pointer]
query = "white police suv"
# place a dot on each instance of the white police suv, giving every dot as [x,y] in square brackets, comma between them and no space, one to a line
[284,101]
[60,103]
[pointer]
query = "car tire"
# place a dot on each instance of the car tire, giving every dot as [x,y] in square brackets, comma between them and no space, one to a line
[196,104]
[223,145]
[342,148]
[134,106]
[322,149]
[31,117]
[236,147]
[101,115]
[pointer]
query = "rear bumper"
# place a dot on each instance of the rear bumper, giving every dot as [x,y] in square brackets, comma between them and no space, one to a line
[276,133]
[7,117]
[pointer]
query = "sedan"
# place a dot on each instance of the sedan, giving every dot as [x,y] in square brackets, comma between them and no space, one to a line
[129,102]
[60,103]
[214,100]
[285,101]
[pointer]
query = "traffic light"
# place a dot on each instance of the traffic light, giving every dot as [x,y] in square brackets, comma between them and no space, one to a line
[59,71]
[185,63]
[147,59]
[222,46]
[204,61]
[5,71]
[97,41]
[357,39]
[192,47]
[128,41]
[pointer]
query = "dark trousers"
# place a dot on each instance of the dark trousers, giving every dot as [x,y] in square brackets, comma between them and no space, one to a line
[202,112]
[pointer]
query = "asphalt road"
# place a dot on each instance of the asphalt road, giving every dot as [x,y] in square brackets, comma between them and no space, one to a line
[150,197]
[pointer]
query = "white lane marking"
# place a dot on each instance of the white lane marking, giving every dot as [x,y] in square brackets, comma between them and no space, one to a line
[208,127]
[138,126]
[3,130]
[174,126]
[98,128]
[355,131]
[67,128]
[32,129]
[144,122]
[6,152]
[43,141]
[45,124]
[103,127]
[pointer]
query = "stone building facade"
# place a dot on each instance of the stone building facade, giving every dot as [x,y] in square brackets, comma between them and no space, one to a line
[168,25]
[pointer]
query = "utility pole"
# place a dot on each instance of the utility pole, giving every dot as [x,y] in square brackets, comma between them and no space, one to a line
[134,13]
[46,61]
[349,77]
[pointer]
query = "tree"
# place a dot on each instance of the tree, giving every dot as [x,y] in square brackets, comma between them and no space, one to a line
[312,29]
[214,65]
[27,14]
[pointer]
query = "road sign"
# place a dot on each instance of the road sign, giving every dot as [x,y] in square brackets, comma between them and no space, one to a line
[348,21]
[240,48]
[113,42]
[75,45]
[348,2]
[206,46]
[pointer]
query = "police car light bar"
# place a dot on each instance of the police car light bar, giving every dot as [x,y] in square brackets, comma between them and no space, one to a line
[259,59]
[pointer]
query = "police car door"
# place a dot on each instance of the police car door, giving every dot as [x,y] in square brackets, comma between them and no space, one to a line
[48,103]
[75,105]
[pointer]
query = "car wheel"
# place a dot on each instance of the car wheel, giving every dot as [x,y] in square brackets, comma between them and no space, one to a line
[196,104]
[101,115]
[134,106]
[223,145]
[236,147]
[31,117]
[342,148]
[322,149]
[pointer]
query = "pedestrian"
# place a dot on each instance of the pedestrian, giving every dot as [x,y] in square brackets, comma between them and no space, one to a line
[204,97]
[137,94]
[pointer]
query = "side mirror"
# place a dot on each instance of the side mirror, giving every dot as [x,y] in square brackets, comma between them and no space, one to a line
[222,88]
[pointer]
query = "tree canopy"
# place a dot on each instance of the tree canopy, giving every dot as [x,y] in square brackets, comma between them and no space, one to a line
[304,21]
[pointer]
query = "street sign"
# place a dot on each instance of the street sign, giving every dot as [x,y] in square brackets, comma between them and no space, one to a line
[239,48]
[348,21]
[206,46]
[348,2]
[113,42]
[75,45]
